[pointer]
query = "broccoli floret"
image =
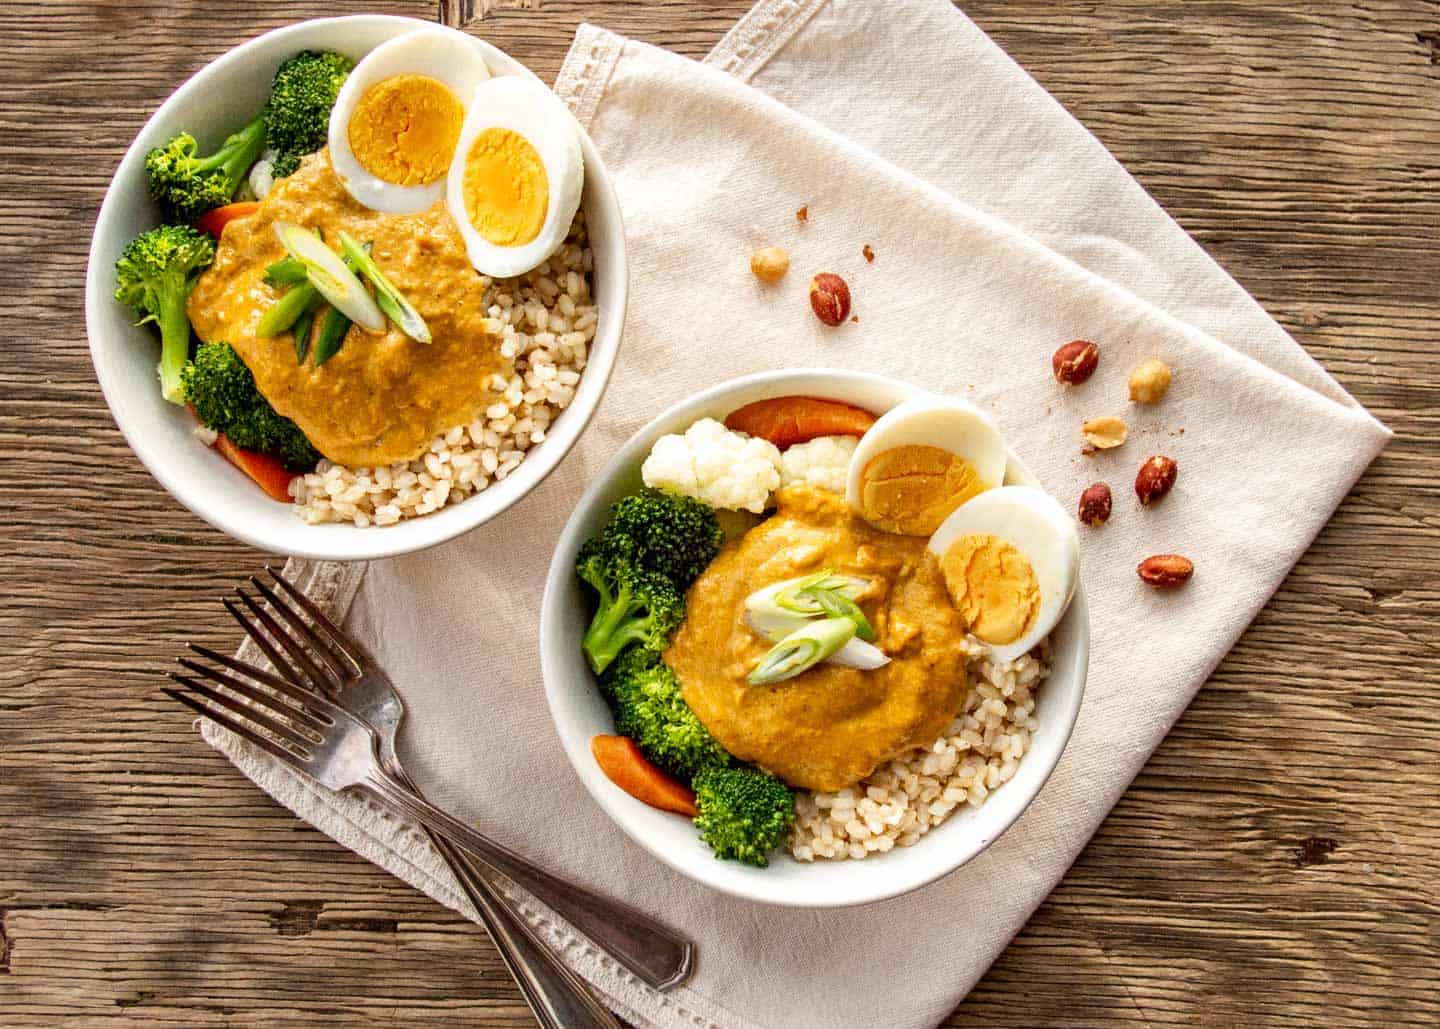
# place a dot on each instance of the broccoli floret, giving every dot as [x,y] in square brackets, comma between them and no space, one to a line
[744,812]
[635,605]
[649,708]
[223,392]
[297,117]
[187,185]
[154,275]
[662,532]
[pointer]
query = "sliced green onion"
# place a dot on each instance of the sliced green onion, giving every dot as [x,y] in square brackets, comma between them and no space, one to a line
[330,337]
[803,649]
[858,654]
[327,273]
[837,605]
[303,325]
[793,594]
[287,310]
[391,300]
[285,272]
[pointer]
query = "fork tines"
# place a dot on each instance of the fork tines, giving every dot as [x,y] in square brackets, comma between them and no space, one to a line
[285,714]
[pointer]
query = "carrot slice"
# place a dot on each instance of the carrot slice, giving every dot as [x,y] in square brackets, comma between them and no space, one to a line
[214,222]
[269,473]
[626,767]
[786,421]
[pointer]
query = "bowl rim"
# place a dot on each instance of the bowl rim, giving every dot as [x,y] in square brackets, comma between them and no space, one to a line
[325,542]
[559,578]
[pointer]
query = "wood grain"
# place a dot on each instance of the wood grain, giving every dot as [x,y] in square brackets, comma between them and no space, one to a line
[1276,861]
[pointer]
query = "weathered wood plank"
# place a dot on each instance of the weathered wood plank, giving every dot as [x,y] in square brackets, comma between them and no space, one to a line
[144,879]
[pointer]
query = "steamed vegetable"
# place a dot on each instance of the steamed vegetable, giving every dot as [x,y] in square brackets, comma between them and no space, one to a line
[214,222]
[640,564]
[154,276]
[645,697]
[785,421]
[186,185]
[297,117]
[744,812]
[390,300]
[625,766]
[221,389]
[803,649]
[269,473]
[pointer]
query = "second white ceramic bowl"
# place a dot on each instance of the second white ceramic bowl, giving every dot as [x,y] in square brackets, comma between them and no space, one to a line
[214,102]
[580,713]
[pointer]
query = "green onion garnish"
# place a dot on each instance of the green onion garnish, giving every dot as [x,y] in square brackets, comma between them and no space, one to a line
[391,300]
[804,648]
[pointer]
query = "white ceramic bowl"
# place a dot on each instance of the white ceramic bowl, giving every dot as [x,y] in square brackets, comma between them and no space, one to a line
[580,712]
[216,100]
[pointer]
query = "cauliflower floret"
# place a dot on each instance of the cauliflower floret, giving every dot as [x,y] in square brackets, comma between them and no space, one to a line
[824,463]
[727,470]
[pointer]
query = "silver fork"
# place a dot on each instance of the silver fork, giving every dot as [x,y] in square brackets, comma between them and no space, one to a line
[558,998]
[324,740]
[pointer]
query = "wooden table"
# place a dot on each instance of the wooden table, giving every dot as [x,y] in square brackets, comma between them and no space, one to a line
[1276,861]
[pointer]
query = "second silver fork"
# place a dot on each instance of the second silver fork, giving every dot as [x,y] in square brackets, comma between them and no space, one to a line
[337,665]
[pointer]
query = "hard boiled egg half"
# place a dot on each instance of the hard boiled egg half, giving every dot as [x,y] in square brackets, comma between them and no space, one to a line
[514,184]
[1011,558]
[399,116]
[920,461]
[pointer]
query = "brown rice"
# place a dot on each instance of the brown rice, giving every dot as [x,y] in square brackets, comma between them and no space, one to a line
[910,795]
[546,321]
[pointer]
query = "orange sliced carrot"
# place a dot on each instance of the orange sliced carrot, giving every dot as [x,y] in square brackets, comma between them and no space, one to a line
[269,473]
[622,762]
[786,421]
[214,222]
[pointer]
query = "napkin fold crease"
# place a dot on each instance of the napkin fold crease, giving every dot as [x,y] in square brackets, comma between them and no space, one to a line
[1001,227]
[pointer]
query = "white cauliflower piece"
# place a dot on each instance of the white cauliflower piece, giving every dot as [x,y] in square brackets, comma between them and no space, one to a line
[728,470]
[824,463]
[262,175]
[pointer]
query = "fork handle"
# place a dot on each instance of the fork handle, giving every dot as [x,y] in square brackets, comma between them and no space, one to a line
[661,957]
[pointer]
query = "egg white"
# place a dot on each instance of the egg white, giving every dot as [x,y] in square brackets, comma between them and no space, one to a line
[947,423]
[529,109]
[1034,523]
[447,57]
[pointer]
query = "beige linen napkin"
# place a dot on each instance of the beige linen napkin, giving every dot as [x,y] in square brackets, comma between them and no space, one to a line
[958,299]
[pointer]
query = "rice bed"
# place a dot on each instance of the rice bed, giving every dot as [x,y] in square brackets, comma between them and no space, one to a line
[908,796]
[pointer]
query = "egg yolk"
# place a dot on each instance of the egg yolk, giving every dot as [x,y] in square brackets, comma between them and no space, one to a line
[506,190]
[912,489]
[404,130]
[993,587]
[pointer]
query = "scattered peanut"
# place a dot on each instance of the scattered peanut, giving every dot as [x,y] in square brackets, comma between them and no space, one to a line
[1166,571]
[1075,362]
[1105,433]
[769,264]
[803,215]
[1155,479]
[1149,381]
[1094,505]
[867,253]
[830,298]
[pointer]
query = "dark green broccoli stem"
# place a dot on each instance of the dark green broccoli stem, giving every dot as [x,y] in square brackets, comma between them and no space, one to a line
[174,344]
[187,185]
[154,276]
[616,625]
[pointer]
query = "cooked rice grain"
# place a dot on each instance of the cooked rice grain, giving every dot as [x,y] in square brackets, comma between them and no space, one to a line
[546,321]
[907,797]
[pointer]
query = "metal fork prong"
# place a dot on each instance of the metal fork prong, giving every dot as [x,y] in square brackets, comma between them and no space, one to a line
[243,731]
[320,647]
[287,733]
[352,652]
[247,669]
[306,715]
[318,679]
[263,642]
